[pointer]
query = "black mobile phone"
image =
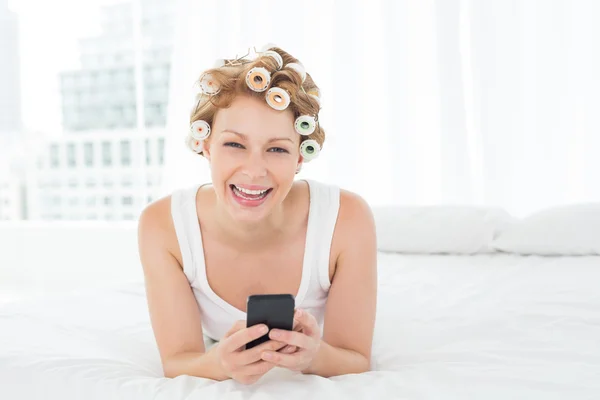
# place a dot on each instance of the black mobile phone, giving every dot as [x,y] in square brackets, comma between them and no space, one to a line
[274,310]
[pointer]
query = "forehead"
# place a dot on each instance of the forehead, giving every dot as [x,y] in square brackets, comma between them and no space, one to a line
[254,117]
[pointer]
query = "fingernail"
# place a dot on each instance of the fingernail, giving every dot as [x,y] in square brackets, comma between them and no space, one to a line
[267,356]
[298,313]
[275,334]
[263,329]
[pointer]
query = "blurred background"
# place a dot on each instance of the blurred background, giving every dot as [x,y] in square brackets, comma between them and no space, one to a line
[476,102]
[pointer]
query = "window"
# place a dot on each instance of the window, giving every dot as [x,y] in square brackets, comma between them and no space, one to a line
[106,154]
[95,162]
[125,153]
[88,154]
[148,152]
[161,151]
[71,154]
[54,163]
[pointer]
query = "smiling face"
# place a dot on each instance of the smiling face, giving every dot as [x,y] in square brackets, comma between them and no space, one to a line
[253,152]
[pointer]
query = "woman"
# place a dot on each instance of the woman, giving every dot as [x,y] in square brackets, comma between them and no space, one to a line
[256,230]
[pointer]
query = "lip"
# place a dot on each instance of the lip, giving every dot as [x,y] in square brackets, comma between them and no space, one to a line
[245,202]
[252,187]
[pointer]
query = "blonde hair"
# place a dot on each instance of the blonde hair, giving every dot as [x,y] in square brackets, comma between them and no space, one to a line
[231,78]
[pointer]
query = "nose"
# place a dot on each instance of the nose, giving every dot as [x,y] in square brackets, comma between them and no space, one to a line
[255,165]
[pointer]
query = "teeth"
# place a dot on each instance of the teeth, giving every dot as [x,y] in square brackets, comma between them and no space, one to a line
[248,191]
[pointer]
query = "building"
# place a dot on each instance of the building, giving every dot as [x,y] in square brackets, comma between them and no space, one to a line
[101,95]
[10,80]
[103,167]
[102,175]
[12,196]
[13,202]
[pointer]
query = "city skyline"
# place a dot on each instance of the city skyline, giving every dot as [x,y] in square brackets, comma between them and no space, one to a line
[49,44]
[78,79]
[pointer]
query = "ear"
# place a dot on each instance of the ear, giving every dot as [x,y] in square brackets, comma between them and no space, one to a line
[206,149]
[299,166]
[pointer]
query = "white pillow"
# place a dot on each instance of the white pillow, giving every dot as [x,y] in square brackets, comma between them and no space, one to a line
[438,229]
[565,230]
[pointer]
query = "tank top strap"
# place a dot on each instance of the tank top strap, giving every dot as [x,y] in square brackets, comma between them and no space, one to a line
[183,212]
[325,199]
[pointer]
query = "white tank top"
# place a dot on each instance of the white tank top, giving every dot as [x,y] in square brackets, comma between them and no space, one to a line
[218,316]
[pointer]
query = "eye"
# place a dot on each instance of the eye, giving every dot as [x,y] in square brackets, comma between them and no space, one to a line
[234,144]
[278,150]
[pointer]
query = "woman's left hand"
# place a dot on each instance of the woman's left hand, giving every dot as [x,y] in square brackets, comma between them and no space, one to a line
[304,339]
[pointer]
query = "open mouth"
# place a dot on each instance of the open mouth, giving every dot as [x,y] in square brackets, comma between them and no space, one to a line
[249,195]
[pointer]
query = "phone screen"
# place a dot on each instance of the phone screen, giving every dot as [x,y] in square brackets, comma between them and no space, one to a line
[274,310]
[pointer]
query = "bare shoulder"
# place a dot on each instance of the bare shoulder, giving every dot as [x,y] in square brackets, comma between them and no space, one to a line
[355,218]
[156,229]
[355,227]
[354,210]
[156,217]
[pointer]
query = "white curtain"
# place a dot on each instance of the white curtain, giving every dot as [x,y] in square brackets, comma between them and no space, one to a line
[479,102]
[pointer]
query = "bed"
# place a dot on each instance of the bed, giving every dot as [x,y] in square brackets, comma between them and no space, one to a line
[486,325]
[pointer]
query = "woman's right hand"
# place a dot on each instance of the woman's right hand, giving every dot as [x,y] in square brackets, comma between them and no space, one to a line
[245,366]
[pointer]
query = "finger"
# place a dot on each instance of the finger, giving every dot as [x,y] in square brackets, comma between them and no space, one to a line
[293,338]
[258,368]
[288,349]
[244,336]
[252,355]
[282,360]
[307,322]
[239,325]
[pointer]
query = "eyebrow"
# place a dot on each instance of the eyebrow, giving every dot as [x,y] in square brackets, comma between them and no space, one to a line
[246,137]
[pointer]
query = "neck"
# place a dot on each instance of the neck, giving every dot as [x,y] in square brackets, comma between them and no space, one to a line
[252,234]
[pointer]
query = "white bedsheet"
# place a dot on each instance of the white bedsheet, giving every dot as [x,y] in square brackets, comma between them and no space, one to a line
[448,327]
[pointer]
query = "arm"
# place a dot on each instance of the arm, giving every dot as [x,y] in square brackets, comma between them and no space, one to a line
[174,313]
[351,303]
[350,312]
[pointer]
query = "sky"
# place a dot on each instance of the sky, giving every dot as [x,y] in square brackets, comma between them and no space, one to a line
[49,32]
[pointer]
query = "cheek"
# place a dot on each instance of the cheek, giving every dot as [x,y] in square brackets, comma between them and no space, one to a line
[281,164]
[222,163]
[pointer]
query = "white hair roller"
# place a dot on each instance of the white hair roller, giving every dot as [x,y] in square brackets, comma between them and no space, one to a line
[200,130]
[258,79]
[310,149]
[267,47]
[315,91]
[316,98]
[196,145]
[305,125]
[278,98]
[276,56]
[208,85]
[219,62]
[299,69]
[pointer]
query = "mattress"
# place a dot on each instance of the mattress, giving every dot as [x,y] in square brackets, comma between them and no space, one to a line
[493,326]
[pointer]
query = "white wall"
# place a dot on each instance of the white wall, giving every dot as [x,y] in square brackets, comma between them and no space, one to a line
[39,258]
